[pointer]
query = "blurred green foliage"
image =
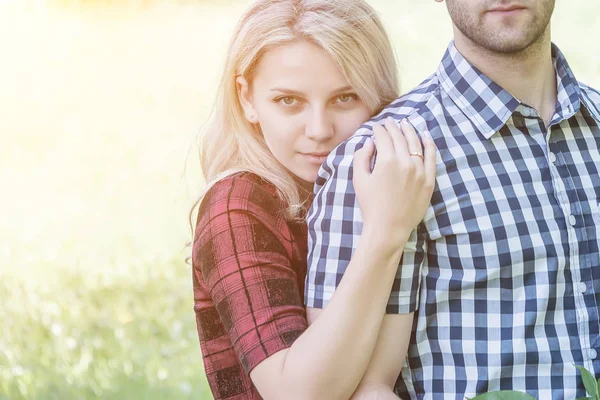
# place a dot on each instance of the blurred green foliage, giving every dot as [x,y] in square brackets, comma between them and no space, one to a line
[132,337]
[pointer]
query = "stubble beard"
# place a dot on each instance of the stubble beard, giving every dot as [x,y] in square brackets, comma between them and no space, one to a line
[509,42]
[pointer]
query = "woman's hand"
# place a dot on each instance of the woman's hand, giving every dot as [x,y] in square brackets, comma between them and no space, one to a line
[394,196]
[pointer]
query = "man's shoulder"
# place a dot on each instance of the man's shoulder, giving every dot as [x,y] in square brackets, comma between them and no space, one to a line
[417,101]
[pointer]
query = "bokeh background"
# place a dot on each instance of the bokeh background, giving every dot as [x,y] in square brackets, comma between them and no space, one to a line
[101,103]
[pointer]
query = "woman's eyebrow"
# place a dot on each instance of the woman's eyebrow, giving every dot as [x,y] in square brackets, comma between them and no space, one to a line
[290,91]
[341,90]
[299,93]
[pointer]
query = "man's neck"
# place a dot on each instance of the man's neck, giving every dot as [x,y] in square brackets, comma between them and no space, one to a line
[529,75]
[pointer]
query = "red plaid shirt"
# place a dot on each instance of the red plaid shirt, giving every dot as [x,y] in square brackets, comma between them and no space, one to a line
[249,268]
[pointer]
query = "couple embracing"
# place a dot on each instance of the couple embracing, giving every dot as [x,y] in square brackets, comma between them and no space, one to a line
[352,242]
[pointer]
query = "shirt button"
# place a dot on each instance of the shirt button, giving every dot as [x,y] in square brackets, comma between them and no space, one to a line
[582,287]
[593,354]
[552,157]
[572,220]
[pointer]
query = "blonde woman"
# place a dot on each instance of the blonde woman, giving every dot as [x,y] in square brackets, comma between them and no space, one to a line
[301,77]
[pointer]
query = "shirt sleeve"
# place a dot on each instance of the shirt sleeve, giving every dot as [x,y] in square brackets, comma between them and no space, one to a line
[245,257]
[334,228]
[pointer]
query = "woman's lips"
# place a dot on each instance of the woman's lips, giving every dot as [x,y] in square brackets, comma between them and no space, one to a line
[315,158]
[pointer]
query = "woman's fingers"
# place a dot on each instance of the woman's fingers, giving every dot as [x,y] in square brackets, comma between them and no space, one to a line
[396,194]
[404,145]
[383,141]
[430,156]
[415,148]
[400,145]
[362,159]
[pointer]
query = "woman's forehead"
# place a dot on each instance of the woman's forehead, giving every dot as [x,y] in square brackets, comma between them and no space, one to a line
[299,66]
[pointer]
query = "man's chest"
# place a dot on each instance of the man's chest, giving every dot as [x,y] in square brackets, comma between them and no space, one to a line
[526,196]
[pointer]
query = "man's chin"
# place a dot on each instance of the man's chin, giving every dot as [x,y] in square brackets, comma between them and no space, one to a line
[507,42]
[508,48]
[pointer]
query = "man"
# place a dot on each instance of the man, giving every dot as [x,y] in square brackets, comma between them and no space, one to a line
[502,277]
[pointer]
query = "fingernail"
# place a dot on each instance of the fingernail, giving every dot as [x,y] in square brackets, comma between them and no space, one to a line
[426,134]
[405,121]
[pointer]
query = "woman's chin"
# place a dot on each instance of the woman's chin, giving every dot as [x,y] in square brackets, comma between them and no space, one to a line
[305,179]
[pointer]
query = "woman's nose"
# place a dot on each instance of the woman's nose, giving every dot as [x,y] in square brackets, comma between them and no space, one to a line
[320,126]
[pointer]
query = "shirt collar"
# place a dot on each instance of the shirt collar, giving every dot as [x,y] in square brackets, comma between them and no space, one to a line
[568,101]
[570,94]
[488,105]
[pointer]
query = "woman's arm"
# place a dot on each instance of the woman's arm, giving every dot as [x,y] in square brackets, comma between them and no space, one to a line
[329,359]
[388,358]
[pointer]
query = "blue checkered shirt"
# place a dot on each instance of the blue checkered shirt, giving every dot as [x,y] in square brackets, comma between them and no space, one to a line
[503,273]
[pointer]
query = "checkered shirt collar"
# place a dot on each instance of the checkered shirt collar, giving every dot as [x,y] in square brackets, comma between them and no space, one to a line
[570,96]
[488,105]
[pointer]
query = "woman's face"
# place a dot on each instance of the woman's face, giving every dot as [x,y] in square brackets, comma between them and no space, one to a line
[303,104]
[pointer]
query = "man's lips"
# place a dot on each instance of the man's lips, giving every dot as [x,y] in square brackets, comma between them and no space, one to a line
[507,9]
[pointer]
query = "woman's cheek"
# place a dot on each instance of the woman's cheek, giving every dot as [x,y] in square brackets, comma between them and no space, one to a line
[351,125]
[346,129]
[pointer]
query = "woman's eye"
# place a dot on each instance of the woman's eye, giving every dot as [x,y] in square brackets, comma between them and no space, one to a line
[288,101]
[346,98]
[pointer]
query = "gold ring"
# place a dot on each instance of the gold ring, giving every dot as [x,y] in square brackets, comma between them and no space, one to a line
[416,154]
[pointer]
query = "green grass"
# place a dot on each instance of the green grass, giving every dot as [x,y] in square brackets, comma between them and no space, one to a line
[99,107]
[82,336]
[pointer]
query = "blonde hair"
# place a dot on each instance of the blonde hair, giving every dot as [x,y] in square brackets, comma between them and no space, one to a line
[348,30]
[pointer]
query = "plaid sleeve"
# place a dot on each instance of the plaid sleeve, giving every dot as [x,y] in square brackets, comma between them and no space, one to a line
[245,257]
[334,228]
